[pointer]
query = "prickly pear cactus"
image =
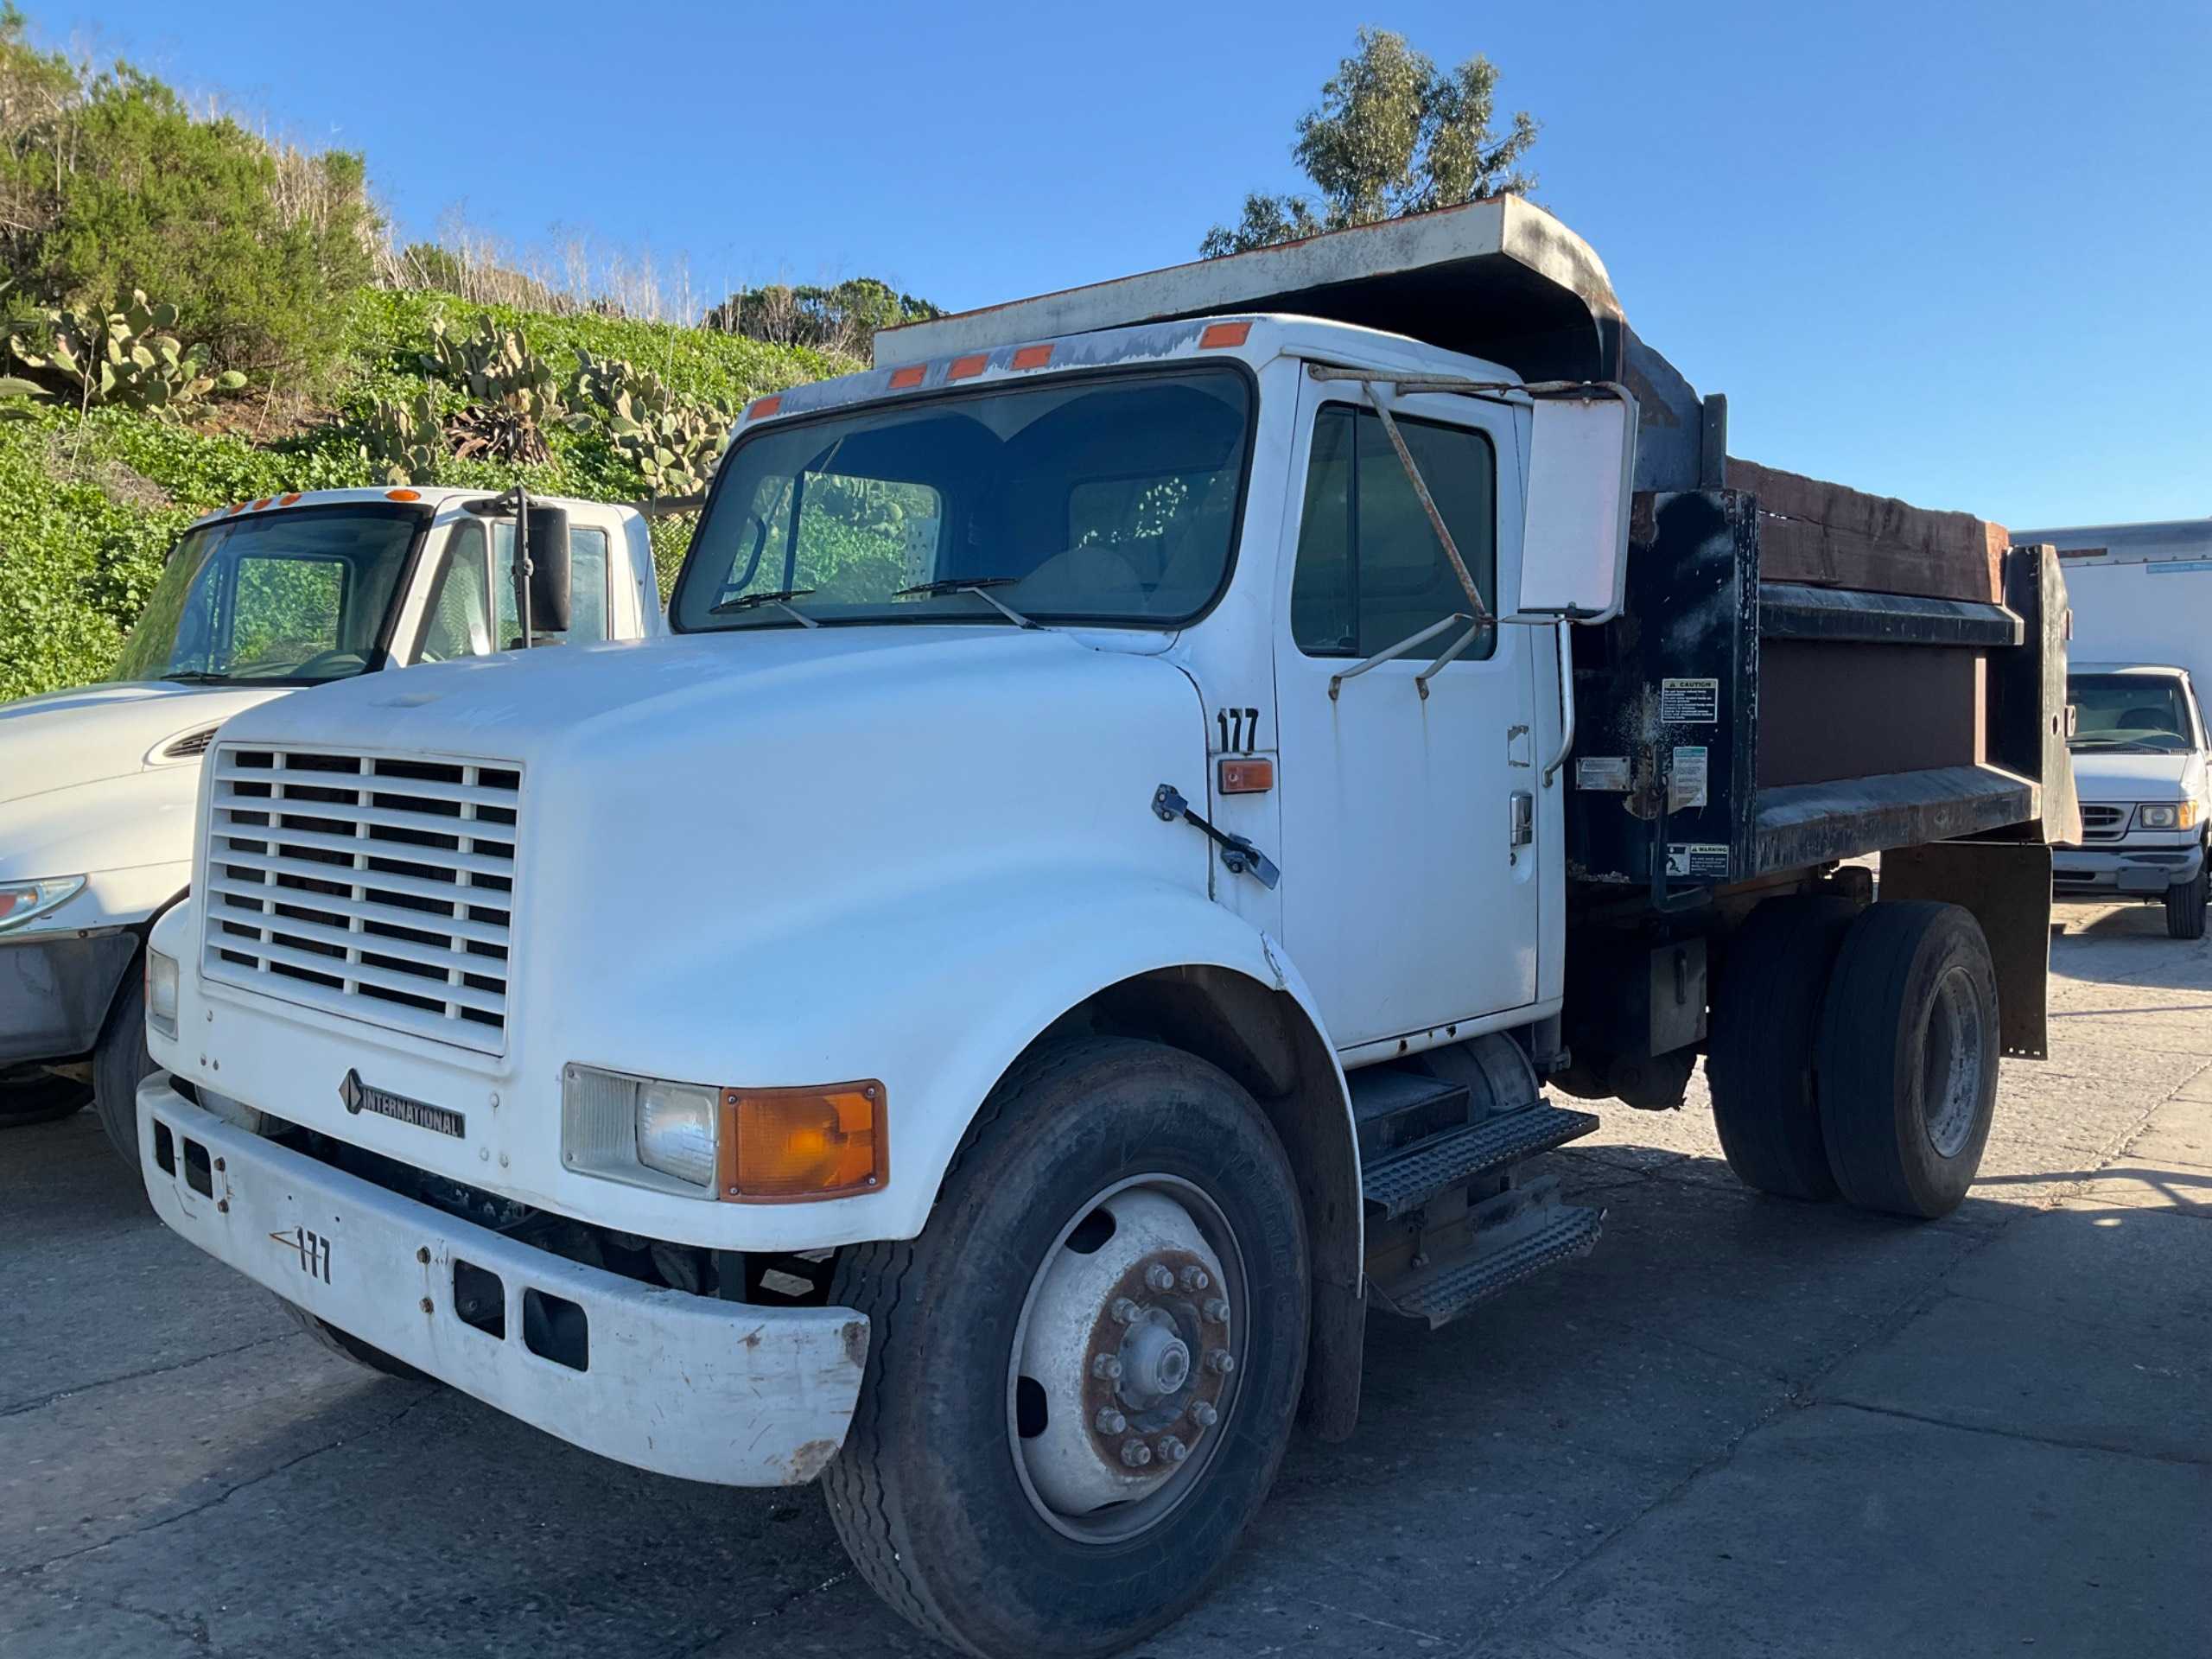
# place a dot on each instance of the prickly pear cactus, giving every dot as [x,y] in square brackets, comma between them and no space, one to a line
[406,440]
[673,443]
[512,390]
[128,357]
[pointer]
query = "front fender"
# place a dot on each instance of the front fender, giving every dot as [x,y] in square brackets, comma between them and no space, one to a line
[934,996]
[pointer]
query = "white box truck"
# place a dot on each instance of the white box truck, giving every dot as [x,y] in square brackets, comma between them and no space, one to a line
[2142,645]
[1145,788]
[97,783]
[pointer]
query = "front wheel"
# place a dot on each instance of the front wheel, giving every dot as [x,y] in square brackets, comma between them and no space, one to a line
[1081,1378]
[2185,908]
[120,1064]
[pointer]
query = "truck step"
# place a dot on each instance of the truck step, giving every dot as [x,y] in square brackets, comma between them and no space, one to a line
[1561,1232]
[1416,1173]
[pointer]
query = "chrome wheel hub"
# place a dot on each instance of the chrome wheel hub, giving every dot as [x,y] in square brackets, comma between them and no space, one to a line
[1127,1360]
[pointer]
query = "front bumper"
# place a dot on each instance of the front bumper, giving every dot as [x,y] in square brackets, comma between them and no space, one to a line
[55,991]
[2141,872]
[674,1382]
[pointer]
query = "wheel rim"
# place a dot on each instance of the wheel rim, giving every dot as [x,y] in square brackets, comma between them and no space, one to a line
[1950,1065]
[1125,1365]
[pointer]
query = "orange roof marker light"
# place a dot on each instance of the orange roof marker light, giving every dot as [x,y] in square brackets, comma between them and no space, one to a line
[264,502]
[1032,357]
[1219,334]
[287,500]
[966,368]
[912,375]
[403,495]
[764,407]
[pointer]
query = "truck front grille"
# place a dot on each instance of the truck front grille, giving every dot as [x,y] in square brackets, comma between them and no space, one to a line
[377,885]
[2103,823]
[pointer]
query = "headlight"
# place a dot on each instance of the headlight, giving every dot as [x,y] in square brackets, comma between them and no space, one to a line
[675,1130]
[25,901]
[2180,817]
[642,1130]
[160,993]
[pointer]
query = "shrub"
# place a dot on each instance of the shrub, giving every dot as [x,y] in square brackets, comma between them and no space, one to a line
[110,184]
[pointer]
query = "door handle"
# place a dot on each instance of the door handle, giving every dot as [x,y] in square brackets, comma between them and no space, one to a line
[1523,825]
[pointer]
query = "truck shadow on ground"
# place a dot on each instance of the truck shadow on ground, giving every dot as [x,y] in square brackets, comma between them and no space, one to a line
[1510,1444]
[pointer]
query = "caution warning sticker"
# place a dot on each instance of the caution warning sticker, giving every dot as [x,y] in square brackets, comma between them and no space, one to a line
[1696,859]
[1690,702]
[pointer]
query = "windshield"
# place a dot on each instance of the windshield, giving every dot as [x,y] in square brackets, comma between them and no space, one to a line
[2146,713]
[1110,500]
[296,598]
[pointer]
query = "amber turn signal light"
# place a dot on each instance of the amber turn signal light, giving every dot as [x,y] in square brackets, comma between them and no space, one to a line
[1246,777]
[787,1145]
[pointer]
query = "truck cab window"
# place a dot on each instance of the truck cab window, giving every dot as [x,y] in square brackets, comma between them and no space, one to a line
[586,587]
[1370,571]
[458,622]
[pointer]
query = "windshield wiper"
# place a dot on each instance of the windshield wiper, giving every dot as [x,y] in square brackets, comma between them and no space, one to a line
[198,677]
[779,599]
[975,585]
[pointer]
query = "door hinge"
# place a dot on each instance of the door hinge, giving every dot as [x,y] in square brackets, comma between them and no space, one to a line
[1238,855]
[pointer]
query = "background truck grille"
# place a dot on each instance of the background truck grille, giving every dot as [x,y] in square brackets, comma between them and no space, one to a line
[379,886]
[2103,823]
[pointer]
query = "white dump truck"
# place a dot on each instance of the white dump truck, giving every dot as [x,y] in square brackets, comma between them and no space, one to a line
[97,783]
[1146,788]
[2141,649]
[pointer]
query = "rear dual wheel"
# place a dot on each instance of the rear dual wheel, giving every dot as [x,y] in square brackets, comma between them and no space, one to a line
[31,1095]
[1855,1055]
[1081,1378]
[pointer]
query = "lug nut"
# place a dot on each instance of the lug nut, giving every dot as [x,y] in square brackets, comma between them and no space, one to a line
[1107,1368]
[1172,1450]
[1216,1311]
[1220,1361]
[1194,1279]
[1110,1421]
[1136,1453]
[1158,1278]
[1204,1414]
[1124,1311]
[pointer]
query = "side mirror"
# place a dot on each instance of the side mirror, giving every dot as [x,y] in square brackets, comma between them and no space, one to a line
[547,550]
[1581,479]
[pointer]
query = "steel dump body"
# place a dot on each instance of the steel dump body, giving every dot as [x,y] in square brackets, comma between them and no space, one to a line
[1802,673]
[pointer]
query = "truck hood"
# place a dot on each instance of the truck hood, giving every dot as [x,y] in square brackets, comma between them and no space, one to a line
[94,732]
[2177,776]
[696,805]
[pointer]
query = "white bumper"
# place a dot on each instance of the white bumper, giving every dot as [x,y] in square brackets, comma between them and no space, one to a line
[677,1384]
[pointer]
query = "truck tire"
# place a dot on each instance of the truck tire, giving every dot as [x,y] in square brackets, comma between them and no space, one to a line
[29,1094]
[2185,908]
[328,1336]
[1758,1060]
[120,1064]
[1907,1058]
[1081,1378]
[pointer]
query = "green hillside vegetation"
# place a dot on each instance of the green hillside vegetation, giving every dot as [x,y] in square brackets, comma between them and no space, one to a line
[192,319]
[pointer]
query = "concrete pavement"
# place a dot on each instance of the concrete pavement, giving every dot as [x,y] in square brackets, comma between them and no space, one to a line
[1742,1427]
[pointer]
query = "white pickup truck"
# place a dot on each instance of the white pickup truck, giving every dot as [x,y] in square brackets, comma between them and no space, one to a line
[97,783]
[1145,787]
[2142,597]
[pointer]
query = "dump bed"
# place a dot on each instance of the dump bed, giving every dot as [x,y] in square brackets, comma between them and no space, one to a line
[1802,672]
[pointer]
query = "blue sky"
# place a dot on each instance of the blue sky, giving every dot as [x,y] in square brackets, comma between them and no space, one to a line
[1960,253]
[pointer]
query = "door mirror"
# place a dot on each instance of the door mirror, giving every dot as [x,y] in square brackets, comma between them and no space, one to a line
[1581,474]
[547,551]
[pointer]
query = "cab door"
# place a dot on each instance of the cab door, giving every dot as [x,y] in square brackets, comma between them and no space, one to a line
[1408,789]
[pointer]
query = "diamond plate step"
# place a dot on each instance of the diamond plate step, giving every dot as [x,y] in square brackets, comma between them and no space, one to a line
[1450,1290]
[1396,1183]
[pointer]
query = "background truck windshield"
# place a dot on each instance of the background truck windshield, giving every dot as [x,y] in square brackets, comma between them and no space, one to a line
[2128,711]
[294,597]
[1111,499]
